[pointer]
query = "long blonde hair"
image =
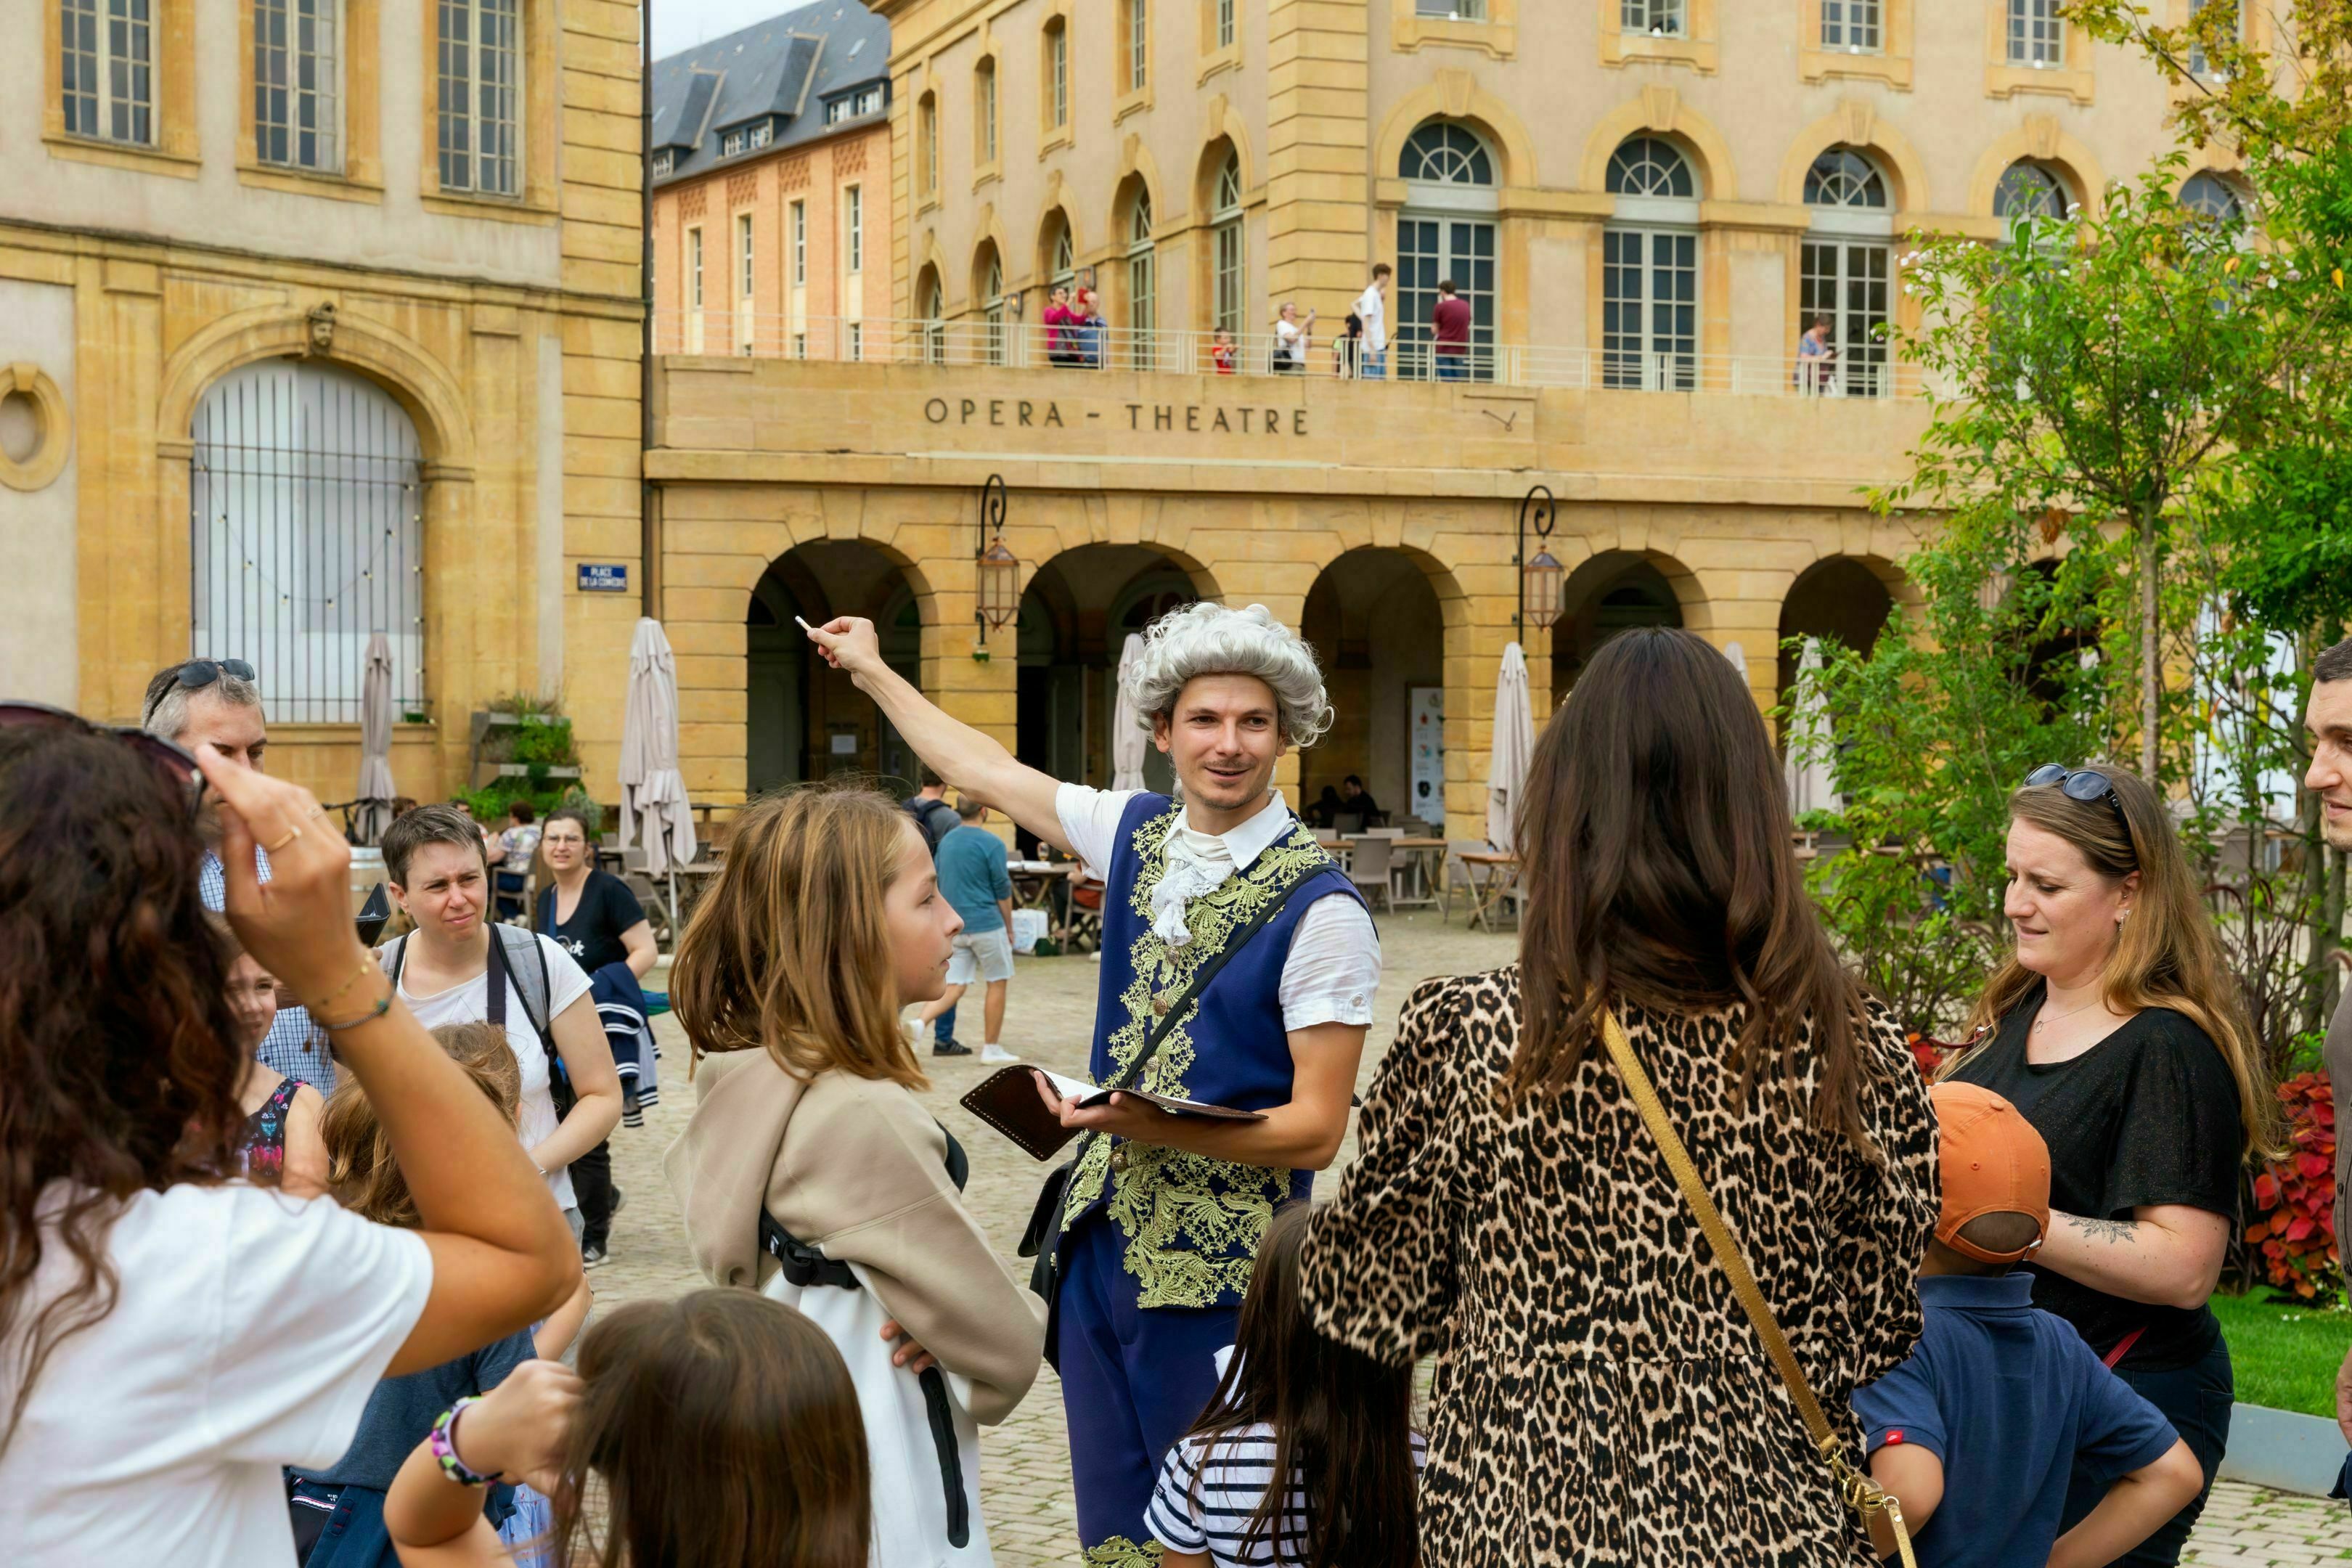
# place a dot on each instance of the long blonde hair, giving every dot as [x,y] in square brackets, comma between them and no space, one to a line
[361,1171]
[2166,955]
[789,951]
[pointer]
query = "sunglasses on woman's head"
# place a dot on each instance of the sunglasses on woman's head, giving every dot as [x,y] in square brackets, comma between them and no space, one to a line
[199,673]
[175,766]
[2086,785]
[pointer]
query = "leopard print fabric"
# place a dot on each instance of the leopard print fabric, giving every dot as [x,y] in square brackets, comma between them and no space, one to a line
[1600,1398]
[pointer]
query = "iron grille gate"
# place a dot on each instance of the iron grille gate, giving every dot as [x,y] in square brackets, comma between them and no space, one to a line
[306,522]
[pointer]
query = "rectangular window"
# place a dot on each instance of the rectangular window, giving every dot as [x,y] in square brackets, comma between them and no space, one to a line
[1432,249]
[694,269]
[927,125]
[743,254]
[800,242]
[1850,25]
[985,98]
[1225,23]
[854,225]
[856,340]
[1846,282]
[480,70]
[800,345]
[870,100]
[1058,75]
[1649,310]
[1142,303]
[297,83]
[109,75]
[2037,35]
[1659,18]
[763,133]
[837,112]
[2198,64]
[1229,276]
[730,144]
[664,162]
[1138,45]
[1452,10]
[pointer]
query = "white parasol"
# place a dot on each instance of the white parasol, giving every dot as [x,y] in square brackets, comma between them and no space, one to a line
[652,795]
[1513,747]
[376,789]
[1130,741]
[1810,785]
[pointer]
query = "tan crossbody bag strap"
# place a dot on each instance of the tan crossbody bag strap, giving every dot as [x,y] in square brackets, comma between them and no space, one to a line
[1860,1493]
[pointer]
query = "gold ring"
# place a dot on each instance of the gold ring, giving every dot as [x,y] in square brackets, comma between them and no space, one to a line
[291,834]
[314,811]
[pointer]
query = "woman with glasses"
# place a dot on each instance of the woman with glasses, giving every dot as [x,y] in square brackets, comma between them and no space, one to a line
[2116,1028]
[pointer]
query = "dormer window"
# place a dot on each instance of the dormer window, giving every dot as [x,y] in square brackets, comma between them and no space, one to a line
[837,112]
[870,100]
[731,144]
[664,162]
[763,132]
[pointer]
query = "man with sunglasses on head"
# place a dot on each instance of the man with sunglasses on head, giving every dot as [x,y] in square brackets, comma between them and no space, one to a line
[216,702]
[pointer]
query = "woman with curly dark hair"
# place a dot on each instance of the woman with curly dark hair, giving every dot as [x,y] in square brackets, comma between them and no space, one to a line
[170,1335]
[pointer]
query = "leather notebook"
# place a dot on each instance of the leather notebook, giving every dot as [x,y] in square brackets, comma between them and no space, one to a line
[1007,1100]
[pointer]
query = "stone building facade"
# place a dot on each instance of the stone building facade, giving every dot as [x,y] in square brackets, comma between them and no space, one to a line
[322,320]
[1645,217]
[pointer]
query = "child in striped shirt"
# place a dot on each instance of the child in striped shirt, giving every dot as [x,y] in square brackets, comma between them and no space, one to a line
[1331,1421]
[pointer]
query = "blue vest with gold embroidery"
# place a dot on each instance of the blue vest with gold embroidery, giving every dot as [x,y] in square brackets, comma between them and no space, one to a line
[1190,1225]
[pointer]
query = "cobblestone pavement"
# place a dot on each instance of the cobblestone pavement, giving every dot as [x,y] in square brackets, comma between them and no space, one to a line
[1025,1466]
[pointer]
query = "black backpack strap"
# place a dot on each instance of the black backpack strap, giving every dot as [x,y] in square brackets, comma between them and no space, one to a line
[803,1265]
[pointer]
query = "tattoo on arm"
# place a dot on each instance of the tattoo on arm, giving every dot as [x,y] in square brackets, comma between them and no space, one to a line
[2116,1230]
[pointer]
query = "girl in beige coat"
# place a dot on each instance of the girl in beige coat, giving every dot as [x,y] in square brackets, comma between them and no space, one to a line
[811,1173]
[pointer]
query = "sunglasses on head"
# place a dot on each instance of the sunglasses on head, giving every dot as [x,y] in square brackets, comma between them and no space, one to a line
[199,673]
[175,765]
[2086,785]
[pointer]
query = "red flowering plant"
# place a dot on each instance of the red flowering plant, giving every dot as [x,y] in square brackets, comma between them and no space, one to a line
[2296,1230]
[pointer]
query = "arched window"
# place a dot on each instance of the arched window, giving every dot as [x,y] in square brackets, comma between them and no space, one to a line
[1226,245]
[1446,154]
[1647,166]
[1843,267]
[935,330]
[1066,265]
[1649,272]
[991,295]
[1057,74]
[2029,190]
[305,508]
[1142,280]
[1842,177]
[2210,195]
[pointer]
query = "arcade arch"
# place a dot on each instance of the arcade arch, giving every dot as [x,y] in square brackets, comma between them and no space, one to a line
[803,720]
[1377,622]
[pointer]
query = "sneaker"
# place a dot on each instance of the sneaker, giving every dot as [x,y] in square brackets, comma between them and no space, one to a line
[950,1049]
[993,1052]
[592,1257]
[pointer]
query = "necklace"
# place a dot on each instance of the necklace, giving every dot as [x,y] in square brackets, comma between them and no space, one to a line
[2061,1017]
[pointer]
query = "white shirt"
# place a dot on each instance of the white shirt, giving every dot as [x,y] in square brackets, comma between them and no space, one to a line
[1333,969]
[1290,341]
[249,1331]
[470,1004]
[1373,311]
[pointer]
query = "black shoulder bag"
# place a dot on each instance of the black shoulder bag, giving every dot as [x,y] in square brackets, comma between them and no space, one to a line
[1043,1238]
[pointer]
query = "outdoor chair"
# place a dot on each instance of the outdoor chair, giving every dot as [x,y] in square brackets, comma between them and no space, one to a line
[1367,868]
[1347,824]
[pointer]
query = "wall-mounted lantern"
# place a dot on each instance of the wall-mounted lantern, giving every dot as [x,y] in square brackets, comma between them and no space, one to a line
[997,597]
[1540,579]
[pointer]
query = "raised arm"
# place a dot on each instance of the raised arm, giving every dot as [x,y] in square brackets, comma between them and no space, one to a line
[973,763]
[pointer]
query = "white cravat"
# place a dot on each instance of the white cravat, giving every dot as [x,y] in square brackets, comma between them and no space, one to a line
[1198,863]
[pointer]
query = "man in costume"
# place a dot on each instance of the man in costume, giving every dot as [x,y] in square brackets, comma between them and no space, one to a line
[1164,1213]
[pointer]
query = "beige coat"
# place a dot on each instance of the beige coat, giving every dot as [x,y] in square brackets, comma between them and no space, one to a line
[857,1168]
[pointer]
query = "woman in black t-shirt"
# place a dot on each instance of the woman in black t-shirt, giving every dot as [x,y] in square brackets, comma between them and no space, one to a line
[598,921]
[2116,1028]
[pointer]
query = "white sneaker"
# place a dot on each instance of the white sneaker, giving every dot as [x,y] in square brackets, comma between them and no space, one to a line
[995,1053]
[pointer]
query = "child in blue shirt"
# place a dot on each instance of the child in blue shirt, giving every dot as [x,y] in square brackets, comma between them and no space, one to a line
[1977,1432]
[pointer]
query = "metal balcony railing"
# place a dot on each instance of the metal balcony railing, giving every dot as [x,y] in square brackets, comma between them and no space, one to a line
[1865,373]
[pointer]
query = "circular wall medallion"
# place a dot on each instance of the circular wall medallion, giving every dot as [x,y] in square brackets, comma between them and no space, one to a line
[51,429]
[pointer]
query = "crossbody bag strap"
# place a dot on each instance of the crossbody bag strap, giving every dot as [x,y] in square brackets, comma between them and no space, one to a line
[1860,1492]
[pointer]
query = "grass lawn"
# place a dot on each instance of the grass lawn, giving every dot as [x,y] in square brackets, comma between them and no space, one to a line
[2285,1357]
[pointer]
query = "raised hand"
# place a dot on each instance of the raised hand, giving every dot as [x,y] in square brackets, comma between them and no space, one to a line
[297,925]
[850,643]
[521,1428]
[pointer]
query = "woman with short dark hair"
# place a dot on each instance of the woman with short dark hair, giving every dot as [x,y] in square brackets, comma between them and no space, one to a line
[1602,1397]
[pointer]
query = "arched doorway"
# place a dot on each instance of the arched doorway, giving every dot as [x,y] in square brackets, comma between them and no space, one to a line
[1840,600]
[1376,624]
[1076,616]
[1614,592]
[802,719]
[306,506]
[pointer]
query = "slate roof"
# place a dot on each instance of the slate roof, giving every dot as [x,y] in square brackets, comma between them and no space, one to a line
[789,66]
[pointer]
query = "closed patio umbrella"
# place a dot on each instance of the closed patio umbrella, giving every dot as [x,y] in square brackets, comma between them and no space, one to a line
[653,795]
[1513,747]
[1810,785]
[1129,742]
[377,790]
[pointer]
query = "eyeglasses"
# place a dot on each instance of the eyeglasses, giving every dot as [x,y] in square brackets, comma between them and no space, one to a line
[2086,785]
[199,673]
[175,766]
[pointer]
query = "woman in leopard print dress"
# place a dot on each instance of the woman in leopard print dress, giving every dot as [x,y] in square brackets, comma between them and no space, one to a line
[1600,1398]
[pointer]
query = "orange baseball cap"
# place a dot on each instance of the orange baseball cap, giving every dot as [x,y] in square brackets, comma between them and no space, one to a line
[1993,1162]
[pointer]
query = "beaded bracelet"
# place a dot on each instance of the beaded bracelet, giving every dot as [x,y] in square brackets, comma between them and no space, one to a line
[444,1450]
[383,1005]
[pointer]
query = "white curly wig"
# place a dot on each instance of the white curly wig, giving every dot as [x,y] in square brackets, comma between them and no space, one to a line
[1213,639]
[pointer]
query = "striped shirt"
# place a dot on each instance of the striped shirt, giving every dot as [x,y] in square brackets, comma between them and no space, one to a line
[292,1048]
[1209,1490]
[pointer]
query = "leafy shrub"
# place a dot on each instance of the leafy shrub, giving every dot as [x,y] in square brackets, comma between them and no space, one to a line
[2295,1231]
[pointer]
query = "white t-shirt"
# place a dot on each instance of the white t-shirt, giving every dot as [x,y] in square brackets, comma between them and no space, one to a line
[1290,342]
[470,1004]
[1373,310]
[1333,969]
[249,1331]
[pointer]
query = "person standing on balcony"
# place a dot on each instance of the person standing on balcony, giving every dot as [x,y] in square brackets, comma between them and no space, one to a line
[1372,308]
[1449,323]
[1292,338]
[1087,331]
[1816,355]
[1057,326]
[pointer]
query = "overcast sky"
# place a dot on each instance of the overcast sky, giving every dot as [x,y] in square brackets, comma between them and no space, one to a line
[682,24]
